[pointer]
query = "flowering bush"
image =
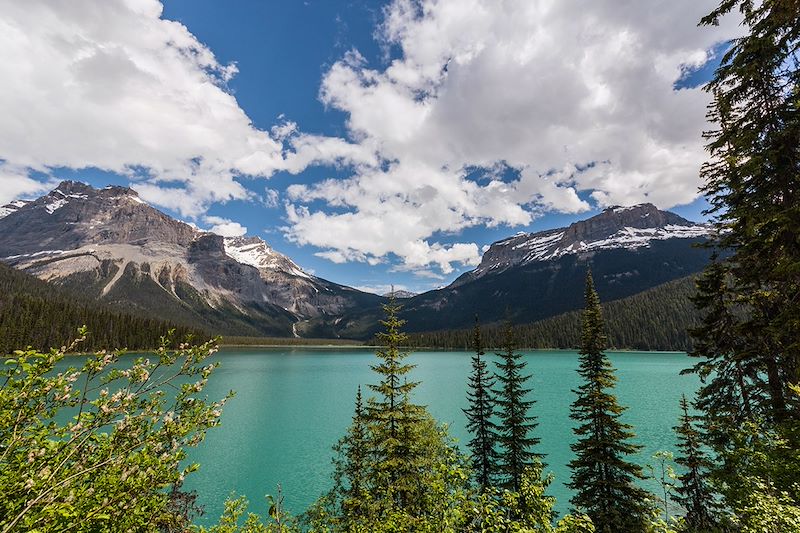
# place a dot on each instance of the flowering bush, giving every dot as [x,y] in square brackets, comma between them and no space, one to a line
[100,447]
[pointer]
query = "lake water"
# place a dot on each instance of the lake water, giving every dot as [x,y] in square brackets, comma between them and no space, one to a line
[292,405]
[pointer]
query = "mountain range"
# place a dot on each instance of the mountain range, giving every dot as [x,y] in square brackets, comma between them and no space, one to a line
[113,247]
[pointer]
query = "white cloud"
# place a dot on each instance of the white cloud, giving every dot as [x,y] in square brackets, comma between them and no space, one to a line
[112,85]
[15,183]
[576,97]
[382,289]
[224,226]
[271,197]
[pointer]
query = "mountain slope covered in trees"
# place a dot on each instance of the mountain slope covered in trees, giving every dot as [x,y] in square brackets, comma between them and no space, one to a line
[656,319]
[35,313]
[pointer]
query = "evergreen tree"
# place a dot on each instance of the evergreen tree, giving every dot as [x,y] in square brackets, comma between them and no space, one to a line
[602,478]
[350,467]
[694,492]
[515,424]
[752,299]
[392,418]
[479,415]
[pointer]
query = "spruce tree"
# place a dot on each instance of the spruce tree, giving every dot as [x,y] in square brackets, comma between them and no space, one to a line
[693,491]
[750,297]
[392,418]
[752,183]
[602,478]
[515,425]
[350,475]
[479,415]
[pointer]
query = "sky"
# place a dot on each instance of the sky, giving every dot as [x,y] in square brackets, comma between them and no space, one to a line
[375,143]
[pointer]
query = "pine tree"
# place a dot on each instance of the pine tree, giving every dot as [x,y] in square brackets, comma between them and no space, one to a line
[602,478]
[479,415]
[392,417]
[752,184]
[694,492]
[515,424]
[350,475]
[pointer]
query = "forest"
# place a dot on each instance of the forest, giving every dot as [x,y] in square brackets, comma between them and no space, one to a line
[657,319]
[37,314]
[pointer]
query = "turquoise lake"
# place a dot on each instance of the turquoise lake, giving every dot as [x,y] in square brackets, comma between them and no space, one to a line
[293,404]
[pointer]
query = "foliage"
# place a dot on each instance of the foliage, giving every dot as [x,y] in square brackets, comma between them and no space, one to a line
[38,314]
[235,511]
[395,466]
[748,340]
[694,492]
[97,448]
[601,476]
[479,416]
[655,319]
[665,475]
[394,421]
[515,424]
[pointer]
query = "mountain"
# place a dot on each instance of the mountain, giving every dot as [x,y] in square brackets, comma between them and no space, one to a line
[11,207]
[533,276]
[616,228]
[400,295]
[41,315]
[656,319]
[114,247]
[111,246]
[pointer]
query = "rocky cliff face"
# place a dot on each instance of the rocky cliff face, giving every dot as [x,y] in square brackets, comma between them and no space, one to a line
[110,243]
[627,228]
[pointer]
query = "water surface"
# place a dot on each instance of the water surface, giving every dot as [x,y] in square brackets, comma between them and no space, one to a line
[292,404]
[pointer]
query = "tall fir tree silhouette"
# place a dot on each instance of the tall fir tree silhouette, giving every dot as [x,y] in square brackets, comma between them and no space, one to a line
[515,424]
[602,478]
[479,415]
[694,492]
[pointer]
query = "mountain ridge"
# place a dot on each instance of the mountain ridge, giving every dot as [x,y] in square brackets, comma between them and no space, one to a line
[122,250]
[115,247]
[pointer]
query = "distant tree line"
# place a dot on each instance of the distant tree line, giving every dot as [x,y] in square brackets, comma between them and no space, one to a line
[37,314]
[656,319]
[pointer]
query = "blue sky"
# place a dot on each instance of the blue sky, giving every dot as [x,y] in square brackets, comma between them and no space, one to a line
[472,120]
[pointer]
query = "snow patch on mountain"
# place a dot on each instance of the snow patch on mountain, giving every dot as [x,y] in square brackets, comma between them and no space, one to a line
[617,227]
[12,207]
[255,252]
[55,205]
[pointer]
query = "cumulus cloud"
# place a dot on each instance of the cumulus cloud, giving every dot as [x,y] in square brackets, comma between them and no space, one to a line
[112,85]
[567,97]
[490,113]
[15,183]
[225,226]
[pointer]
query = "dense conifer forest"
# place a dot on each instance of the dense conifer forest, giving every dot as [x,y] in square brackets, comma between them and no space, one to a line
[656,319]
[37,314]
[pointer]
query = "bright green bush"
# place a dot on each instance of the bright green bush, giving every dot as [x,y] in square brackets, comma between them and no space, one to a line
[99,448]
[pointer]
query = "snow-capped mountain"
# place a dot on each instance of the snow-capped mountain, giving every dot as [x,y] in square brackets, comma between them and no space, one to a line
[627,228]
[531,276]
[400,294]
[111,244]
[11,207]
[255,252]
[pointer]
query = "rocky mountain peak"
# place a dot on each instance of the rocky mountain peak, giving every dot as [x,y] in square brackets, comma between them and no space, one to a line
[74,215]
[255,252]
[613,219]
[628,227]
